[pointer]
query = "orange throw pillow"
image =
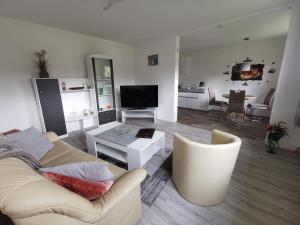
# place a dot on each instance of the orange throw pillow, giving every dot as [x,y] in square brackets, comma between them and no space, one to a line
[87,189]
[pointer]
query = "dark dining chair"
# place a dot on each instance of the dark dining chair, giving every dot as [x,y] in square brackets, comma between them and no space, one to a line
[219,104]
[261,111]
[236,103]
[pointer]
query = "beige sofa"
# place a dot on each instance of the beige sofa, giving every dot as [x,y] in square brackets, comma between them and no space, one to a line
[29,199]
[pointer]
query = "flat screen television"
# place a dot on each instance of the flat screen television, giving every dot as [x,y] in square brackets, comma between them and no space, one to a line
[139,96]
[255,72]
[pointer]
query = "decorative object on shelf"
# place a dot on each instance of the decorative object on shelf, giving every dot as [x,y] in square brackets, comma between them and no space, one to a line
[226,73]
[272,70]
[245,84]
[100,91]
[88,84]
[41,63]
[107,72]
[85,112]
[91,112]
[63,86]
[247,60]
[76,88]
[107,89]
[153,60]
[275,133]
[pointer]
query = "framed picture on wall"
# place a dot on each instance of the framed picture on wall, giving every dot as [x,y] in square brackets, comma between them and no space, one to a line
[153,60]
[255,72]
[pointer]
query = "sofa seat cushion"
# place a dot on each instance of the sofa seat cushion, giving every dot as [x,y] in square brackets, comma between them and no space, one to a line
[64,153]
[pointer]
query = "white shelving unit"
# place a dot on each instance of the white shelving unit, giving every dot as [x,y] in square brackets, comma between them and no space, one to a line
[80,90]
[79,117]
[139,113]
[75,102]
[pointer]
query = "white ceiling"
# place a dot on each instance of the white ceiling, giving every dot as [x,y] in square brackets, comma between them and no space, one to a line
[259,27]
[133,21]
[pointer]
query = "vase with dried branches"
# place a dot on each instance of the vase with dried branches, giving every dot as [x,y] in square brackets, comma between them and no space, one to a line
[41,63]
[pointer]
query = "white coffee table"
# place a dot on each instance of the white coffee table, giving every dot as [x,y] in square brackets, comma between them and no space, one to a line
[135,154]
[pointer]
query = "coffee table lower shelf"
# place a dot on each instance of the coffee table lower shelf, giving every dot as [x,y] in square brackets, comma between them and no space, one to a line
[135,155]
[116,154]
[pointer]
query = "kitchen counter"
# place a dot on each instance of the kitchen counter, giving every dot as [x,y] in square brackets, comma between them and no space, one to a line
[192,90]
[193,98]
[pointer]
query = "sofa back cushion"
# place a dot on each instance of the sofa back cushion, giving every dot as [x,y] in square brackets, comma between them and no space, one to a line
[32,141]
[87,189]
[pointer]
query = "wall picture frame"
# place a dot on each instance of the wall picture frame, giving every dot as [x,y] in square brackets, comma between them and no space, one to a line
[153,60]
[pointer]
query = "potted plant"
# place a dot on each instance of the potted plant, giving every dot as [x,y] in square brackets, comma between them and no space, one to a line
[41,63]
[274,133]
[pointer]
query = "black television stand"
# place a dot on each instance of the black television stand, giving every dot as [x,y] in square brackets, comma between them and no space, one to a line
[138,113]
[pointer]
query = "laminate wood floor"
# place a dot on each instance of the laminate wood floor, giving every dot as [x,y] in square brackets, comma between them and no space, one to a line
[264,190]
[238,126]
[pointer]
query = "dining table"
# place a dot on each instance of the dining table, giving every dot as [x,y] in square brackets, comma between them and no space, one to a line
[247,97]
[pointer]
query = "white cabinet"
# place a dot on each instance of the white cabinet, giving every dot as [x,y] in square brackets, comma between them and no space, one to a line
[190,100]
[181,101]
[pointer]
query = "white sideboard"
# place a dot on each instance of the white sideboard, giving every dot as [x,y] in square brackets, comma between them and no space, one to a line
[192,100]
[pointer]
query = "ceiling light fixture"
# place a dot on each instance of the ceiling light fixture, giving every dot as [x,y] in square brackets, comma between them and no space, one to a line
[245,65]
[110,3]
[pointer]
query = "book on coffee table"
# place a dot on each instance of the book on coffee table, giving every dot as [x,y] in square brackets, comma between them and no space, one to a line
[145,133]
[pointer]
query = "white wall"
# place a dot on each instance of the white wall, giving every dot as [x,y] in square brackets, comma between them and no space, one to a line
[165,74]
[66,52]
[208,66]
[288,89]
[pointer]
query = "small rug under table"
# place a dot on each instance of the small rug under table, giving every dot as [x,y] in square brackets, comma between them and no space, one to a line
[153,185]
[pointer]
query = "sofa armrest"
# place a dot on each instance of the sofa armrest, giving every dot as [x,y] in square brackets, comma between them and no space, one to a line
[25,193]
[122,187]
[51,136]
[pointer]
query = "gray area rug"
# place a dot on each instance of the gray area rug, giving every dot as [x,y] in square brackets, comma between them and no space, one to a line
[153,185]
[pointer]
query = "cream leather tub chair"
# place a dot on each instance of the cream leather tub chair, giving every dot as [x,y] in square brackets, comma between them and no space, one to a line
[202,172]
[30,199]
